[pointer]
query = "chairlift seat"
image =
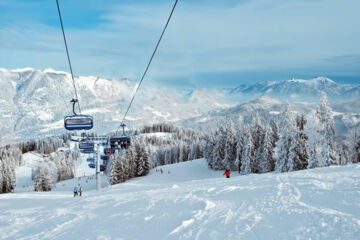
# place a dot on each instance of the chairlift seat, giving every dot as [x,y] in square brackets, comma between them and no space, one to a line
[91,160]
[120,142]
[92,165]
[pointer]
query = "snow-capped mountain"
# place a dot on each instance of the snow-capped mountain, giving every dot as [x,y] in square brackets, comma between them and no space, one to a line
[299,89]
[34,102]
[346,114]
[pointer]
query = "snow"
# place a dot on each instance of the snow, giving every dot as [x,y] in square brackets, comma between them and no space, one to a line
[190,201]
[157,134]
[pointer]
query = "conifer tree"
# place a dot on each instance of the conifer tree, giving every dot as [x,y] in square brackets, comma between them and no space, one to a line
[230,147]
[268,160]
[247,160]
[284,143]
[326,118]
[298,156]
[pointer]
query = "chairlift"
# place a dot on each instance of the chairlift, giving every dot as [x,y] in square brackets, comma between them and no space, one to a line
[105,157]
[87,151]
[85,145]
[120,142]
[92,165]
[91,160]
[102,168]
[78,122]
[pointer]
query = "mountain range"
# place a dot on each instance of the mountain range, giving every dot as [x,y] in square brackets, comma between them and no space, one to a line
[33,103]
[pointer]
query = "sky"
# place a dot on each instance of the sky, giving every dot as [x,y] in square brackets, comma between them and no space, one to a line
[209,43]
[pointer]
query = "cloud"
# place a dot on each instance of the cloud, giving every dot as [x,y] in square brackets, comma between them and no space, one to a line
[204,38]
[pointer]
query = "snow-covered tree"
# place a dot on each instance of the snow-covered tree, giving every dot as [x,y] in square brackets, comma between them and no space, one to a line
[298,155]
[267,163]
[326,118]
[258,135]
[219,149]
[45,177]
[247,159]
[284,143]
[241,138]
[230,147]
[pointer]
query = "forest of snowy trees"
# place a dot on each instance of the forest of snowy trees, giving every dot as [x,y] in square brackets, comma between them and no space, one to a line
[288,143]
[133,162]
[149,151]
[11,157]
[58,167]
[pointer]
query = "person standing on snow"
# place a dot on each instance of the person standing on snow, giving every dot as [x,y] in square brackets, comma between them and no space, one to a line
[227,173]
[80,190]
[75,191]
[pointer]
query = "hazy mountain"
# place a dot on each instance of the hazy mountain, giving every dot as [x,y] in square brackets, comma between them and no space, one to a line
[35,102]
[299,90]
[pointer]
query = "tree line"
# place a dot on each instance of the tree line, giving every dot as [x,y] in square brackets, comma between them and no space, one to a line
[288,143]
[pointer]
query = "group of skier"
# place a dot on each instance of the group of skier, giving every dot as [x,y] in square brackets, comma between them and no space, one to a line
[78,190]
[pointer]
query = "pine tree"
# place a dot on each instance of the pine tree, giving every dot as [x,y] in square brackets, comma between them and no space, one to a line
[247,160]
[298,156]
[241,137]
[219,149]
[258,135]
[268,160]
[7,172]
[283,145]
[230,147]
[326,118]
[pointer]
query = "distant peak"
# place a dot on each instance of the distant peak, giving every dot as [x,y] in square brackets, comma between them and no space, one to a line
[28,69]
[50,70]
[323,79]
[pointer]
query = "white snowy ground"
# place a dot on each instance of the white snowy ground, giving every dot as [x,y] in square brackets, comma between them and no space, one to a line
[193,202]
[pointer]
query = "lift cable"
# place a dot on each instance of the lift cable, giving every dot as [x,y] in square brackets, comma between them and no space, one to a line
[147,67]
[68,56]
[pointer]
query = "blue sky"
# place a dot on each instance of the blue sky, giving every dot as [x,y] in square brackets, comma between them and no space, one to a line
[209,43]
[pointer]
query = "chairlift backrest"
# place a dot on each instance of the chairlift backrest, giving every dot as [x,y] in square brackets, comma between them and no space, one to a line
[86,145]
[78,122]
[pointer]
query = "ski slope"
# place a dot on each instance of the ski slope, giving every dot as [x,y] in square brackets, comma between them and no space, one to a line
[190,201]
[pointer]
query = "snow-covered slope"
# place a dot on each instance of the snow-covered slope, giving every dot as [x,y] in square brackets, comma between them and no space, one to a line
[34,102]
[190,201]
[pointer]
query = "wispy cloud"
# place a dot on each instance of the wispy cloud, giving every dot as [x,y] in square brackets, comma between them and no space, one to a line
[205,38]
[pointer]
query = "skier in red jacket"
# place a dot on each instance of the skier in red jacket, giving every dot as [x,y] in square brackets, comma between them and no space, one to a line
[227,173]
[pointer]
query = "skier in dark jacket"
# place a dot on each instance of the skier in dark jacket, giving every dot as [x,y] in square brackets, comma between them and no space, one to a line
[227,173]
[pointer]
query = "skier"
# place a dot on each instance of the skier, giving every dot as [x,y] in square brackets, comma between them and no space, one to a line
[227,173]
[75,191]
[80,190]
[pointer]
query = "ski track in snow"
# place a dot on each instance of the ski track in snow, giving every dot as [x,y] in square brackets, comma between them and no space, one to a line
[193,202]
